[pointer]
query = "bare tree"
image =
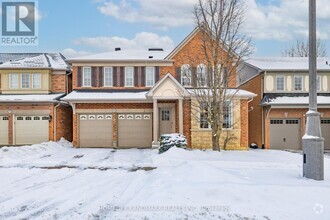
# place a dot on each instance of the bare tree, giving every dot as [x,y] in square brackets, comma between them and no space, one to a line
[301,49]
[213,70]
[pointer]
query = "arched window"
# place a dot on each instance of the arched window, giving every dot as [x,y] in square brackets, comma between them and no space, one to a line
[201,75]
[186,75]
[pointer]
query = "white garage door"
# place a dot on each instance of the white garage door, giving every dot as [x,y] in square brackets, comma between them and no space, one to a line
[31,129]
[3,130]
[134,130]
[95,130]
[325,125]
[285,134]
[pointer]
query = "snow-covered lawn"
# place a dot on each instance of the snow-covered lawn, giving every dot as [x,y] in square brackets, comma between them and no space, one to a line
[56,181]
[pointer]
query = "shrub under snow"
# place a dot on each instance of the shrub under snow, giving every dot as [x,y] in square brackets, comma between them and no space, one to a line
[172,140]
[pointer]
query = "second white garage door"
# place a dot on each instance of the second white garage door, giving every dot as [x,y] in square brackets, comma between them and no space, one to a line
[31,129]
[3,130]
[134,130]
[285,134]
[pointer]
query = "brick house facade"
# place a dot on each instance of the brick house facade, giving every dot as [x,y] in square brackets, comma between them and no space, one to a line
[30,107]
[126,99]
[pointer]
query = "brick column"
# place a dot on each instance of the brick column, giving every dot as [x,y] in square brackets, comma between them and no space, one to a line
[114,129]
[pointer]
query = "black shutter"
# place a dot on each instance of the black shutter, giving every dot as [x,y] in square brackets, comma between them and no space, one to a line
[79,76]
[143,76]
[122,76]
[114,76]
[94,76]
[136,76]
[157,72]
[178,74]
[101,76]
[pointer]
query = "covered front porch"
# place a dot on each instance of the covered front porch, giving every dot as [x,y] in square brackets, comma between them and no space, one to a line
[170,102]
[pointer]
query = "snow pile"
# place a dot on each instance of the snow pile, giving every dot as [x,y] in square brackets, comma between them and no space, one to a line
[172,140]
[178,184]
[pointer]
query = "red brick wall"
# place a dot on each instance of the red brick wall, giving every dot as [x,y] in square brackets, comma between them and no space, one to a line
[244,123]
[255,113]
[58,82]
[64,122]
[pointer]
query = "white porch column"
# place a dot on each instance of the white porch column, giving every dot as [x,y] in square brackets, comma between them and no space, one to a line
[155,142]
[180,116]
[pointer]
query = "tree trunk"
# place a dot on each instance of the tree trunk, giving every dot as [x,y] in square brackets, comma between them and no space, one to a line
[215,139]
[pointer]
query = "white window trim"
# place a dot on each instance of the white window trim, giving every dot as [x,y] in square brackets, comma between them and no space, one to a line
[319,77]
[302,83]
[280,76]
[16,74]
[153,76]
[109,67]
[226,129]
[183,75]
[83,76]
[21,79]
[199,67]
[132,68]
[33,74]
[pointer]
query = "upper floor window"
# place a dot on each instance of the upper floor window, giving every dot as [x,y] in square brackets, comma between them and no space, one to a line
[186,75]
[129,76]
[150,76]
[318,83]
[13,81]
[298,83]
[201,75]
[87,76]
[36,80]
[108,76]
[280,83]
[25,81]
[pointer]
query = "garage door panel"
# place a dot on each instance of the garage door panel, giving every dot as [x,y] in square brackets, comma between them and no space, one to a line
[325,126]
[285,134]
[31,129]
[134,130]
[96,130]
[4,130]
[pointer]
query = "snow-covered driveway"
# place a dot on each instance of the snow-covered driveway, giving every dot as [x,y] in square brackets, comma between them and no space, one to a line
[55,181]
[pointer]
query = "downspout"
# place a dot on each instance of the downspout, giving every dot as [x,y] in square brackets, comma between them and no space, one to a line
[55,121]
[262,113]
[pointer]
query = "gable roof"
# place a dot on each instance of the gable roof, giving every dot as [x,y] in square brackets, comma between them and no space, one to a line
[160,82]
[182,43]
[286,63]
[54,61]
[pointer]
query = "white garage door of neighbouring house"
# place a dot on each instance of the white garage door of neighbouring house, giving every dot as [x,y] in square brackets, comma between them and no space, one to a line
[95,130]
[325,126]
[285,134]
[31,129]
[3,130]
[134,130]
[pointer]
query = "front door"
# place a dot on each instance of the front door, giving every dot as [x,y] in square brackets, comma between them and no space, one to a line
[166,121]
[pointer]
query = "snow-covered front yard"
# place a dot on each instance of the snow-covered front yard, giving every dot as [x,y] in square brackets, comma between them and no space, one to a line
[56,181]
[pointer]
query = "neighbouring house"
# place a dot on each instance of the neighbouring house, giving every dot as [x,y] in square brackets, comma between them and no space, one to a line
[277,116]
[128,98]
[30,107]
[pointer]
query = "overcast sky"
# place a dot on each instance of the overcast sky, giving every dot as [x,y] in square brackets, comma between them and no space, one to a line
[81,27]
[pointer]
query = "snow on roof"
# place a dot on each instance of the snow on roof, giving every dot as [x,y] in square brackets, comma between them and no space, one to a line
[33,60]
[143,54]
[302,100]
[31,98]
[105,96]
[287,63]
[234,92]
